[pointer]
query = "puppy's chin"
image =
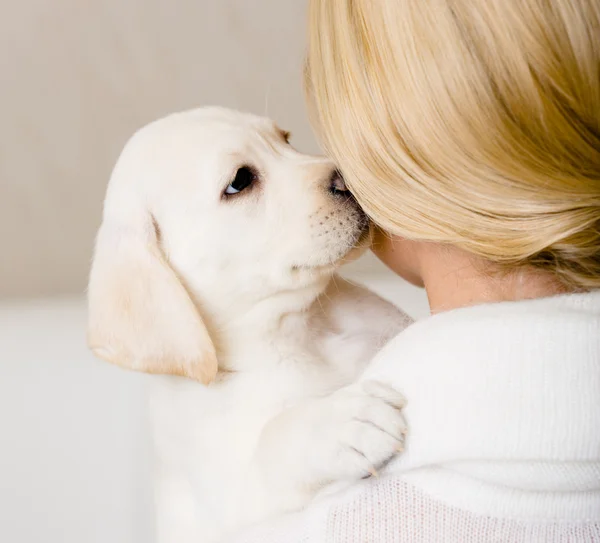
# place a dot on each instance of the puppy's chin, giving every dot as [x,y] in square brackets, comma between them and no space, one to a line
[360,246]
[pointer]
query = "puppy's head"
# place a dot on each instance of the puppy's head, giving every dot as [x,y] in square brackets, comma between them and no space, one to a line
[213,211]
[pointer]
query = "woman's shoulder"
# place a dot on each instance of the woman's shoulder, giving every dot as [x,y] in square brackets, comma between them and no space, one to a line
[569,318]
[501,382]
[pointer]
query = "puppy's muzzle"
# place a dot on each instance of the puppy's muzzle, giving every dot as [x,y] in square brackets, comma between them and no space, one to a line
[337,188]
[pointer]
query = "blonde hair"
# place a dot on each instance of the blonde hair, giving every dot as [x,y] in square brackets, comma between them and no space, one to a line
[474,123]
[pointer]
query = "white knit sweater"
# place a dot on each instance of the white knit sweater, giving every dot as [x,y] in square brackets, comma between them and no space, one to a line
[504,441]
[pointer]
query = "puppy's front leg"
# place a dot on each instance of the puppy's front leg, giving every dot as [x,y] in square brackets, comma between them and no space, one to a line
[345,436]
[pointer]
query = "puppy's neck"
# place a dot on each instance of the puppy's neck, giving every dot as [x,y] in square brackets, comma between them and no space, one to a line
[251,332]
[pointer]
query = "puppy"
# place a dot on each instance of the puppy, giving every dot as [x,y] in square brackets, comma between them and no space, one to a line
[215,262]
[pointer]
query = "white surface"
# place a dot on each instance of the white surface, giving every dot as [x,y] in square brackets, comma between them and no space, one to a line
[74,447]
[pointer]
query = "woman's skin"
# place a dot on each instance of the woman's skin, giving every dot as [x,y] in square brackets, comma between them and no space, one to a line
[454,278]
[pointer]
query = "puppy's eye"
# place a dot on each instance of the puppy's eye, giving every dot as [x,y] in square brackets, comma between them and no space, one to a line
[243,179]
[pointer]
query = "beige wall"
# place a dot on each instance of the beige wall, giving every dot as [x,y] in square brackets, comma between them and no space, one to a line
[79,76]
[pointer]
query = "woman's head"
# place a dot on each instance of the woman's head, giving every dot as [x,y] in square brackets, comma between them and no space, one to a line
[473,123]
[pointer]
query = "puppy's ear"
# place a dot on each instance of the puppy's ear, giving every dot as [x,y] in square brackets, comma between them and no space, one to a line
[140,315]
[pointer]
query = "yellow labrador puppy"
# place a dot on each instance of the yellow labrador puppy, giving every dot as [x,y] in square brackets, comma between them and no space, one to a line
[215,262]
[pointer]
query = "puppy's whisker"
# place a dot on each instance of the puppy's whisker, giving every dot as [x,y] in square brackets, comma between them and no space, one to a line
[267,94]
[335,283]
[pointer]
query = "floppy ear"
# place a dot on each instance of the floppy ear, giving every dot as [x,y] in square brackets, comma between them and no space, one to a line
[140,315]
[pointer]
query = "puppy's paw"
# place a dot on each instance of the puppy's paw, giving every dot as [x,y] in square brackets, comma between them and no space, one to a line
[347,435]
[357,431]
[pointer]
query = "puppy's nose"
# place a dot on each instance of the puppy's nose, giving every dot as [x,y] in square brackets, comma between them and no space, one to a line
[337,185]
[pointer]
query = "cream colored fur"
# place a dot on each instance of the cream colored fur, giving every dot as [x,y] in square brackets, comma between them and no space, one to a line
[237,293]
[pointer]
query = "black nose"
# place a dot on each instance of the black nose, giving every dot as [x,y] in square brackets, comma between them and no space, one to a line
[337,185]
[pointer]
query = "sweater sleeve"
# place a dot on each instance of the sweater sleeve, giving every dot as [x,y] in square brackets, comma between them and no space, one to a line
[390,510]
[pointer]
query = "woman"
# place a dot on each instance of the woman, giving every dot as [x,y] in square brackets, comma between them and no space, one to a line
[469,130]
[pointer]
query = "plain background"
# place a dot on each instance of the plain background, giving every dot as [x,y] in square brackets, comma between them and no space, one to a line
[78,77]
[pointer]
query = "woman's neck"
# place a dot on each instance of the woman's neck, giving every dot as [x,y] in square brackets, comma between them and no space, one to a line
[454,278]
